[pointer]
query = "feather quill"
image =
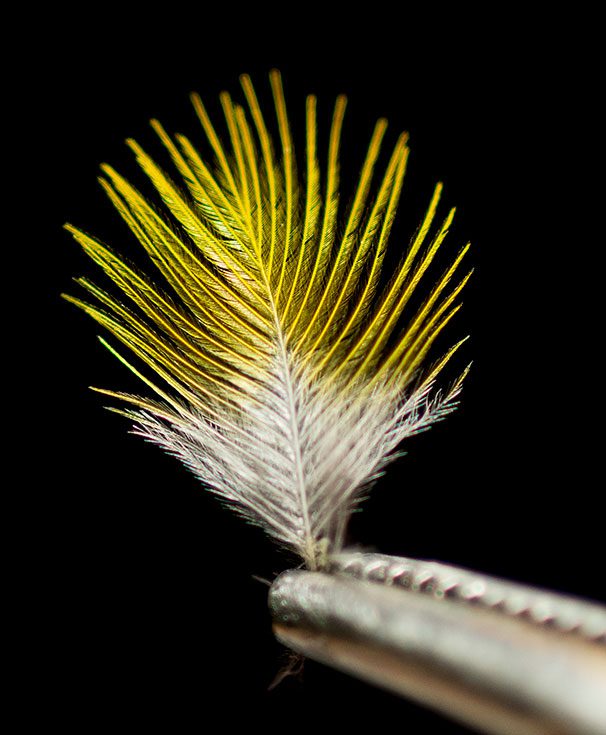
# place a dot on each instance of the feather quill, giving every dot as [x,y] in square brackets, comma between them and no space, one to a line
[284,383]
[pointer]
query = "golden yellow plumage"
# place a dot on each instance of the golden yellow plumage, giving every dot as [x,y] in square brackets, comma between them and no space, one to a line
[286,391]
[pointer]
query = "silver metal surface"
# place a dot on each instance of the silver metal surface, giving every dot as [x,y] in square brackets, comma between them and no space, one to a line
[502,657]
[540,606]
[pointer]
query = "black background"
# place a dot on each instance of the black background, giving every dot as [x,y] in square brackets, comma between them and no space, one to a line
[145,610]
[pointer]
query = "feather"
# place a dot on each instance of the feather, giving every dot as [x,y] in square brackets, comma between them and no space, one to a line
[285,380]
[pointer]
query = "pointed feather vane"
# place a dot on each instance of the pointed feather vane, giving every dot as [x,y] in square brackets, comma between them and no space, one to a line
[285,379]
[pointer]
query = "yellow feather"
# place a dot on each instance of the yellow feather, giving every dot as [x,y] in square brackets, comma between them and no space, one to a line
[286,389]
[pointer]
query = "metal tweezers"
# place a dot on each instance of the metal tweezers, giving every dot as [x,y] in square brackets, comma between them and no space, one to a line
[498,656]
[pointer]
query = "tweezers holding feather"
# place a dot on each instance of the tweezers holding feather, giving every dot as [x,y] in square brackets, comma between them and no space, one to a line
[504,658]
[288,374]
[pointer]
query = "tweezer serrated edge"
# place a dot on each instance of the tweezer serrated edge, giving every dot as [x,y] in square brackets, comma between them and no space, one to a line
[546,609]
